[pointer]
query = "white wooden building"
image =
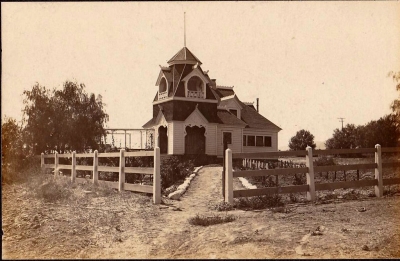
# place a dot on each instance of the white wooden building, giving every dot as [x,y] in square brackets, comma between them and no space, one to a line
[193,115]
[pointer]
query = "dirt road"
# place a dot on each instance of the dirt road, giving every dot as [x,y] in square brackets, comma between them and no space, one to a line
[143,230]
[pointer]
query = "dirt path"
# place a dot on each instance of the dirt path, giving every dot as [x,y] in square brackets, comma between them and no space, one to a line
[255,234]
[114,227]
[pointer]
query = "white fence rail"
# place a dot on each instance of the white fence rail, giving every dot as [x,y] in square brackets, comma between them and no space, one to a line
[121,185]
[309,170]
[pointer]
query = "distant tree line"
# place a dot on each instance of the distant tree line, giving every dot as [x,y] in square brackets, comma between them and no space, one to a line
[384,131]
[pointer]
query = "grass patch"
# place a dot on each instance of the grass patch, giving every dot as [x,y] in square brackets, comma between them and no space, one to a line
[259,202]
[223,206]
[51,188]
[201,220]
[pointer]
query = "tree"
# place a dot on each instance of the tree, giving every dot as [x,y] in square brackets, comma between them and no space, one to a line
[63,120]
[395,106]
[382,131]
[10,140]
[11,149]
[301,140]
[346,138]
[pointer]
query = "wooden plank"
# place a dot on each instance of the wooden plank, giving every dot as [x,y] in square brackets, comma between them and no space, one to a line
[268,191]
[344,167]
[391,164]
[83,167]
[110,184]
[48,166]
[109,155]
[343,151]
[391,149]
[139,170]
[348,184]
[138,188]
[47,156]
[139,154]
[391,181]
[107,168]
[84,155]
[268,155]
[64,167]
[67,155]
[267,172]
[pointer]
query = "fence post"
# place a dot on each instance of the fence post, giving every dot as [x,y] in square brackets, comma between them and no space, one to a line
[56,164]
[73,168]
[42,162]
[95,167]
[378,171]
[310,175]
[228,177]
[121,170]
[157,177]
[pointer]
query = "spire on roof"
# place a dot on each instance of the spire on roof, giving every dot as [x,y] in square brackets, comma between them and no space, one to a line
[184,29]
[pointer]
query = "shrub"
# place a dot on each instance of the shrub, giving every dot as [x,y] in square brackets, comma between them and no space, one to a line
[52,188]
[259,202]
[324,161]
[174,169]
[299,179]
[223,206]
[208,221]
[26,168]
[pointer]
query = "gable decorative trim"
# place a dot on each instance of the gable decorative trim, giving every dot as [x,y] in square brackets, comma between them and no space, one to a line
[160,120]
[196,118]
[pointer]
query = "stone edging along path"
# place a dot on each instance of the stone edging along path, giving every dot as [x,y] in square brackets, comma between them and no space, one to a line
[246,183]
[184,186]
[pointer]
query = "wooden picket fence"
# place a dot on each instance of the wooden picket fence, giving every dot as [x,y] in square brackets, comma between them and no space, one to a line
[309,170]
[121,185]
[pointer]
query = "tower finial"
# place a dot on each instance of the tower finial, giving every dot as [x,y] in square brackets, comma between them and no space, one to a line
[184,29]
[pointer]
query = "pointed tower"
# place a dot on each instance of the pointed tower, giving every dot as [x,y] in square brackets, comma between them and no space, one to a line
[185,98]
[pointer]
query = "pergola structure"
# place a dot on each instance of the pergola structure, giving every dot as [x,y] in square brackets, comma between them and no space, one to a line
[128,132]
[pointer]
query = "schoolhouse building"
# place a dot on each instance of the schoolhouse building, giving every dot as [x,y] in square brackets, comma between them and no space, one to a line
[193,115]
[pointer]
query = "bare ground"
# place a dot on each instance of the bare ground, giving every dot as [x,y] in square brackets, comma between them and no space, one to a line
[128,225]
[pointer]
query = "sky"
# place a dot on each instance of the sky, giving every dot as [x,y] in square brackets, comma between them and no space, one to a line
[309,63]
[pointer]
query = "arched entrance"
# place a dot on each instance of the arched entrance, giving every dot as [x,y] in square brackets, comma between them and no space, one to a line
[195,141]
[163,139]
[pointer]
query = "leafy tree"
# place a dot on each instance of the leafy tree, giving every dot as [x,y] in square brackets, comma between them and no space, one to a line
[10,140]
[63,120]
[347,138]
[395,106]
[382,131]
[301,140]
[11,149]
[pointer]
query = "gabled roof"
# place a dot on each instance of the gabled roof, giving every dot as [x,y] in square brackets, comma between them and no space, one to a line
[166,73]
[149,124]
[229,119]
[224,92]
[230,100]
[256,120]
[249,115]
[184,56]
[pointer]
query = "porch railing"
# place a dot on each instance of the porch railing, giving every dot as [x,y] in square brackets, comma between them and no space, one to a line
[195,94]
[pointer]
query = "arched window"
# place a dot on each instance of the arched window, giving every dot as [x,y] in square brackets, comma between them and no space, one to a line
[163,85]
[195,84]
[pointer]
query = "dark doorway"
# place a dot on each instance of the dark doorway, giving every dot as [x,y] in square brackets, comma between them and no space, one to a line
[163,139]
[195,141]
[227,138]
